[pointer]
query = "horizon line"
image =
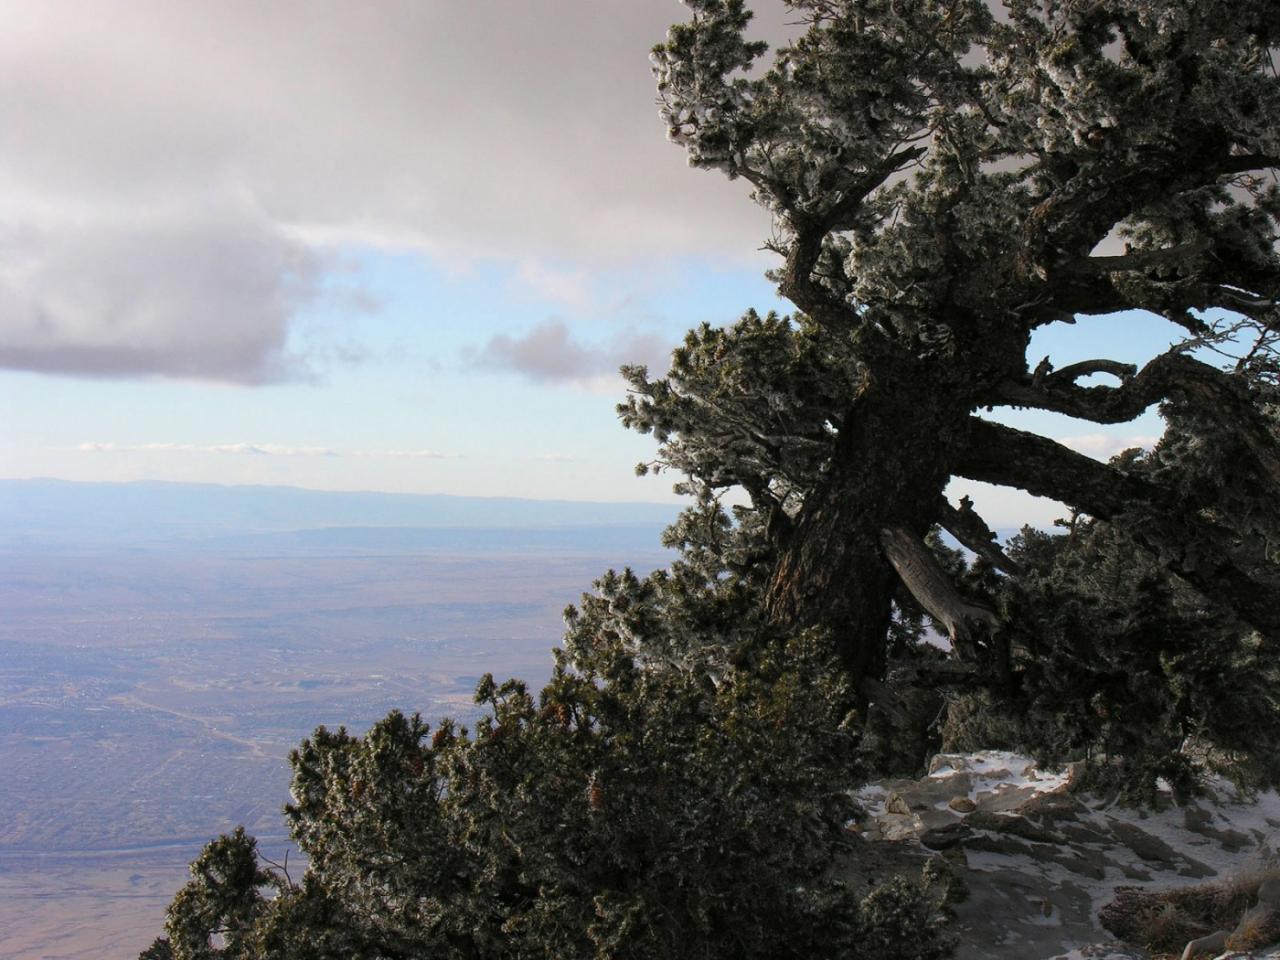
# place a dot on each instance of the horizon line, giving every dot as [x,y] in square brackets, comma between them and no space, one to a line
[336,492]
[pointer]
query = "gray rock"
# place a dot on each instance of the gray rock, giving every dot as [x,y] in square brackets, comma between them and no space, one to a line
[899,826]
[1082,833]
[948,761]
[1037,862]
[1105,951]
[1154,850]
[1053,808]
[1012,823]
[1195,869]
[944,838]
[896,803]
[1149,848]
[1132,873]
[1012,914]
[1084,863]
[1011,798]
[1198,820]
[1001,844]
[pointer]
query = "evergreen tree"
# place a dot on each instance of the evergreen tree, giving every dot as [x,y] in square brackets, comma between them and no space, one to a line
[635,809]
[941,179]
[1121,661]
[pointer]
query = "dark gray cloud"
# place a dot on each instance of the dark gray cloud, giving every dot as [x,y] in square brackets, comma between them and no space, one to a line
[550,353]
[520,130]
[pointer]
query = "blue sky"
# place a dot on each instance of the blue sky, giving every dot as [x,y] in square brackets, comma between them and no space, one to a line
[379,247]
[405,392]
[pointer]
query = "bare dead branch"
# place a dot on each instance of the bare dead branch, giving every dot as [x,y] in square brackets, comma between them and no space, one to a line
[1085,368]
[921,573]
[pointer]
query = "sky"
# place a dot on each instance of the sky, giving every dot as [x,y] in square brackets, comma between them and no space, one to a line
[397,246]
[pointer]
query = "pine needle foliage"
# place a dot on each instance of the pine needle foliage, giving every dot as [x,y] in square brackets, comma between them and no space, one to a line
[635,808]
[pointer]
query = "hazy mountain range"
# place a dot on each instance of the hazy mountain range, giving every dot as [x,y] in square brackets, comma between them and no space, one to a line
[164,646]
[45,514]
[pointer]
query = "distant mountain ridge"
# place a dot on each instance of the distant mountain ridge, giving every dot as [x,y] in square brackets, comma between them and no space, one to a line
[42,513]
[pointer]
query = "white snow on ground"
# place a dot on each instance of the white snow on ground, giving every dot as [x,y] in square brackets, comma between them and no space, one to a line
[1036,896]
[990,773]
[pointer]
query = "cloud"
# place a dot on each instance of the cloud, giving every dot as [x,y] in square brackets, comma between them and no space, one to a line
[175,173]
[252,449]
[550,353]
[569,288]
[200,296]
[1104,446]
[408,454]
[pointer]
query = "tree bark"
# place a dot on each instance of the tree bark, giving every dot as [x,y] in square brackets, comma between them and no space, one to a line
[888,471]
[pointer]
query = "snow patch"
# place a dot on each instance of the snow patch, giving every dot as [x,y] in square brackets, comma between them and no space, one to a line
[1041,859]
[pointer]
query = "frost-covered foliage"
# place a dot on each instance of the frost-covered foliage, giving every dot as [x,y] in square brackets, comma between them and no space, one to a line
[946,177]
[749,405]
[1030,136]
[1129,667]
[632,809]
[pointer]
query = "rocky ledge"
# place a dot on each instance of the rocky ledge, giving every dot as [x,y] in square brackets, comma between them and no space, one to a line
[1042,860]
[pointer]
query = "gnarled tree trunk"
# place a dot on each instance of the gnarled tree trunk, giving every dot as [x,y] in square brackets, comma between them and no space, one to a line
[889,468]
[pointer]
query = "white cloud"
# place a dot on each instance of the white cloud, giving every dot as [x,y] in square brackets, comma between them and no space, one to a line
[174,172]
[550,353]
[252,449]
[408,454]
[568,288]
[205,295]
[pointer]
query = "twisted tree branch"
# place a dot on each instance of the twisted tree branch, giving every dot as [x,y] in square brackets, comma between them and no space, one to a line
[1189,545]
[971,530]
[1137,260]
[798,283]
[1168,375]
